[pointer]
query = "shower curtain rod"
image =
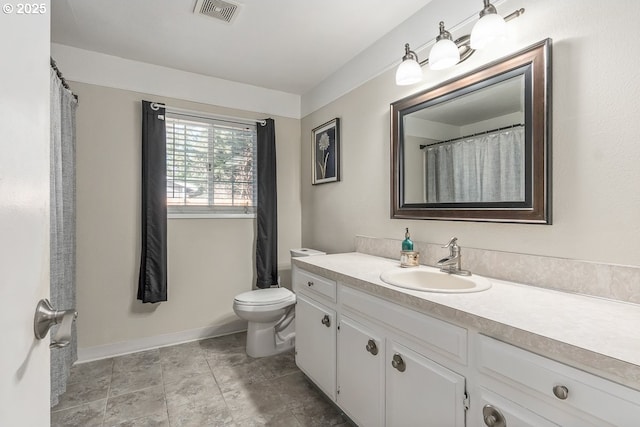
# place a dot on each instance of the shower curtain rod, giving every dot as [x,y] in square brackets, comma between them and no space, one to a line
[423,146]
[156,105]
[61,77]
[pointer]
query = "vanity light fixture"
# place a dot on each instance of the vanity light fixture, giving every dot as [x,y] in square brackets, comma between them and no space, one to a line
[444,54]
[490,27]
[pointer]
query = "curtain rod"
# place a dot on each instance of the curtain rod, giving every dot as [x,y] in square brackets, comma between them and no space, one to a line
[423,146]
[61,77]
[157,105]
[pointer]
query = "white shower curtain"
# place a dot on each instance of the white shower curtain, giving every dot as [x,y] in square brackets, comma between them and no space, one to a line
[484,168]
[63,223]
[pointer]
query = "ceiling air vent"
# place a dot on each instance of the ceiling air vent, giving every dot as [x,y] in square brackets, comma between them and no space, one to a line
[222,10]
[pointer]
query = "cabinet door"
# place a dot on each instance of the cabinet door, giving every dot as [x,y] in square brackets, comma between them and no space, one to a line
[316,343]
[360,373]
[421,392]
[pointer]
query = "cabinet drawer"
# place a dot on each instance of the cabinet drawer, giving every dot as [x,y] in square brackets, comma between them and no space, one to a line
[439,336]
[304,280]
[613,403]
[513,414]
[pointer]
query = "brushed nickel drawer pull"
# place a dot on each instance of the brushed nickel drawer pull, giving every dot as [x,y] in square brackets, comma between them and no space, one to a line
[561,392]
[493,417]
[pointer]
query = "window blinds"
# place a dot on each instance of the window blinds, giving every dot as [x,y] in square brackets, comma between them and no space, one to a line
[211,165]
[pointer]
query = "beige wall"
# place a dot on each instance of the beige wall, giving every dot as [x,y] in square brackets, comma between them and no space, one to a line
[596,151]
[209,260]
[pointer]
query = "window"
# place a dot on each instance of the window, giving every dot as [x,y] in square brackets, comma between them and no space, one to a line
[211,166]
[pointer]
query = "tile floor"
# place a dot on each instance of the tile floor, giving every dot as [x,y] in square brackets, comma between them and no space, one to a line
[205,383]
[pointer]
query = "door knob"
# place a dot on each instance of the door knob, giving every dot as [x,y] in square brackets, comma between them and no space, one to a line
[46,316]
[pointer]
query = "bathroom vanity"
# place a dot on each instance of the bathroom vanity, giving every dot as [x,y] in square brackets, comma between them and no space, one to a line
[512,355]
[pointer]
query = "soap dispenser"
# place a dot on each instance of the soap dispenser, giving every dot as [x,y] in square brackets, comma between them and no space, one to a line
[408,257]
[407,244]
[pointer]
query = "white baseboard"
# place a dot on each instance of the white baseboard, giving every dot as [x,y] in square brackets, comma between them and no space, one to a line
[89,354]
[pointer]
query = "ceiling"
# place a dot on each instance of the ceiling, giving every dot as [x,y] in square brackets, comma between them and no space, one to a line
[286,45]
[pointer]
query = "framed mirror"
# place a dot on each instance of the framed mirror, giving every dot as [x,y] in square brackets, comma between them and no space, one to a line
[477,148]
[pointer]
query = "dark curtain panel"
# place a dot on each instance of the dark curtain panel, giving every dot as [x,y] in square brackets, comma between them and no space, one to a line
[152,284]
[267,239]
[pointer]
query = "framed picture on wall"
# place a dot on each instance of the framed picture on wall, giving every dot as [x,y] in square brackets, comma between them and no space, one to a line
[325,152]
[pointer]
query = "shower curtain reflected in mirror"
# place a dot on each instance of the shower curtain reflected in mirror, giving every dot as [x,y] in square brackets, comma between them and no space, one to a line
[484,168]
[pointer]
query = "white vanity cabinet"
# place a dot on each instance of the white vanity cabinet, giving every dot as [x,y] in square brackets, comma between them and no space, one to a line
[316,323]
[385,364]
[385,373]
[381,382]
[371,371]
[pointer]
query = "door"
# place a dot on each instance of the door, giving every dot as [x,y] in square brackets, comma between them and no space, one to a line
[360,373]
[421,392]
[24,213]
[316,343]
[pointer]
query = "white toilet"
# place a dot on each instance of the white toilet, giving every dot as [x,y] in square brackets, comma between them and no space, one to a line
[270,314]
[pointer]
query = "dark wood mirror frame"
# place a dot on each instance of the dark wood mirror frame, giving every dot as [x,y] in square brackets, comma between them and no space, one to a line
[536,64]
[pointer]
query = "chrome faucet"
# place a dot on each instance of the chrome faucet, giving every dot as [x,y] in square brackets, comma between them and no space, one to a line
[451,264]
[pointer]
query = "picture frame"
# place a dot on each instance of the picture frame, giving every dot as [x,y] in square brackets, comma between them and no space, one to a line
[325,152]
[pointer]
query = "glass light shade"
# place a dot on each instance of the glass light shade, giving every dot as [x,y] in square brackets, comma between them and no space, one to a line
[408,73]
[444,54]
[489,28]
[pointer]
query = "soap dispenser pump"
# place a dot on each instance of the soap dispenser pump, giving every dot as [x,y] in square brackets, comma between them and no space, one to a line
[407,244]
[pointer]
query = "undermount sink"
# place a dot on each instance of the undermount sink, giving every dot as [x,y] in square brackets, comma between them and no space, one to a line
[432,280]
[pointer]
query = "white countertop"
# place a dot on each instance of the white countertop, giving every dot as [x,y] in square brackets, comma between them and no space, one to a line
[595,334]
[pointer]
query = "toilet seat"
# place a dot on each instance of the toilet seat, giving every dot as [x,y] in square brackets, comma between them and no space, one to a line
[265,299]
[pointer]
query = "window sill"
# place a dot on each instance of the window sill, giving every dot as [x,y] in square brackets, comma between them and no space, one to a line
[209,216]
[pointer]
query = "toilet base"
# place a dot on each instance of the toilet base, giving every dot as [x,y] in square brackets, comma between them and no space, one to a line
[262,340]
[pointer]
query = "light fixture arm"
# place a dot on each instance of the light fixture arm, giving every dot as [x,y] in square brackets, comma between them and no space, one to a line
[409,54]
[514,14]
[488,9]
[444,34]
[463,42]
[464,46]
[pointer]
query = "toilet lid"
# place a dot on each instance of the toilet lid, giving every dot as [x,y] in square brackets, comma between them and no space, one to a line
[265,296]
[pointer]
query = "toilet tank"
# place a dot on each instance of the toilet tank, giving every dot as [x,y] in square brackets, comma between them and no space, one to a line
[295,253]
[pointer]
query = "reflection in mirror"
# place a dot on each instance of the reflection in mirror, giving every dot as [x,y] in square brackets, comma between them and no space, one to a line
[467,149]
[476,148]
